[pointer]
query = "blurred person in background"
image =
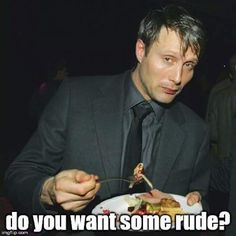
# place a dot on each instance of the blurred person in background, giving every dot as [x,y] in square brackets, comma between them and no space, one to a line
[221,116]
[57,72]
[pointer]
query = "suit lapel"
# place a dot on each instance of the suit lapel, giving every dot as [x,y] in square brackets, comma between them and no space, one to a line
[171,142]
[108,115]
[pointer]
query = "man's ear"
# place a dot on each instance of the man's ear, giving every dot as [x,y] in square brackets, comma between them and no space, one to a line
[140,50]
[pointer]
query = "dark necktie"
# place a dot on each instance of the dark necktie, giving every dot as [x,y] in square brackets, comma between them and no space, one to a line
[134,140]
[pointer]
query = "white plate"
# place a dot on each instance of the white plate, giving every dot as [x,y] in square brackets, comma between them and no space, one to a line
[118,205]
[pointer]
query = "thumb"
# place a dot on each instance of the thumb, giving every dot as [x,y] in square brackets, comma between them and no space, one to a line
[190,201]
[82,176]
[193,198]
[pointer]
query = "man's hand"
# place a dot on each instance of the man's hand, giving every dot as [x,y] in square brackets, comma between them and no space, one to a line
[70,189]
[193,197]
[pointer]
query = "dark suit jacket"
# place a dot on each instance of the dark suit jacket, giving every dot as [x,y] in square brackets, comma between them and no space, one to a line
[82,128]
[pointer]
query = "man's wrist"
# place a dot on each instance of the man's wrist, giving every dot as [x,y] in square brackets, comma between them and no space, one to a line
[46,194]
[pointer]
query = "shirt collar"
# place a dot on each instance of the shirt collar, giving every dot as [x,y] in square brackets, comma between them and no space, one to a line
[133,97]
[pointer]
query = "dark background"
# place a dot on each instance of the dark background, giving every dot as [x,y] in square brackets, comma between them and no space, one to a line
[93,37]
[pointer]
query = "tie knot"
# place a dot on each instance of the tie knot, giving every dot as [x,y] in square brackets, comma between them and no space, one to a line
[142,109]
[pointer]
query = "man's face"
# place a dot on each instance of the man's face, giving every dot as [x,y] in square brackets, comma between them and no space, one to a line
[163,71]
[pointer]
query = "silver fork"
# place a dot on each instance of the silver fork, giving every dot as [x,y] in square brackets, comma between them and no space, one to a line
[131,180]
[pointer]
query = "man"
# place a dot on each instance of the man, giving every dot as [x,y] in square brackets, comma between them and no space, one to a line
[221,118]
[221,114]
[46,90]
[83,132]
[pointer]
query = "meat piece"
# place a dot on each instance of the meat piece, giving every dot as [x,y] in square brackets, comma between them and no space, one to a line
[169,203]
[138,171]
[154,196]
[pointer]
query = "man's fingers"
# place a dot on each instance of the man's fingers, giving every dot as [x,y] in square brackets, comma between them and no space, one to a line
[70,186]
[64,197]
[77,175]
[193,198]
[75,206]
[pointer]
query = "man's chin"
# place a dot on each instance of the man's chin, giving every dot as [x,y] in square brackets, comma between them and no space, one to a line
[165,100]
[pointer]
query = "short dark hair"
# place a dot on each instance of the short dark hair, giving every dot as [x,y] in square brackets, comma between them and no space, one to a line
[189,29]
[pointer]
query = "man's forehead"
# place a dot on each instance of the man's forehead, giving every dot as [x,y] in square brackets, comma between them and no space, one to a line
[170,41]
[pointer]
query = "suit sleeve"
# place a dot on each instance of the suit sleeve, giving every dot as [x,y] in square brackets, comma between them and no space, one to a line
[211,118]
[41,157]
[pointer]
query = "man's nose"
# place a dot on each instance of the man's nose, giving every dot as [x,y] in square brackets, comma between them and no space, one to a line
[177,75]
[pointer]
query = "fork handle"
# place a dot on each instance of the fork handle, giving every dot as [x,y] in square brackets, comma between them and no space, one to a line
[113,179]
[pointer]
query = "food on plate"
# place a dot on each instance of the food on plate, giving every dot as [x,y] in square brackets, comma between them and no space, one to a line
[154,202]
[154,196]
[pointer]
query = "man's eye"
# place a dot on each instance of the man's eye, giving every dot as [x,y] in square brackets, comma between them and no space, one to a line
[190,66]
[167,59]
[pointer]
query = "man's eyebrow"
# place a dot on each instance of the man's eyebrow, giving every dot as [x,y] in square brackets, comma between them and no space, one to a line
[174,53]
[195,61]
[170,52]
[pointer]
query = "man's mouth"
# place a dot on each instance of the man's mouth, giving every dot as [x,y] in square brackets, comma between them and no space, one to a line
[170,91]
